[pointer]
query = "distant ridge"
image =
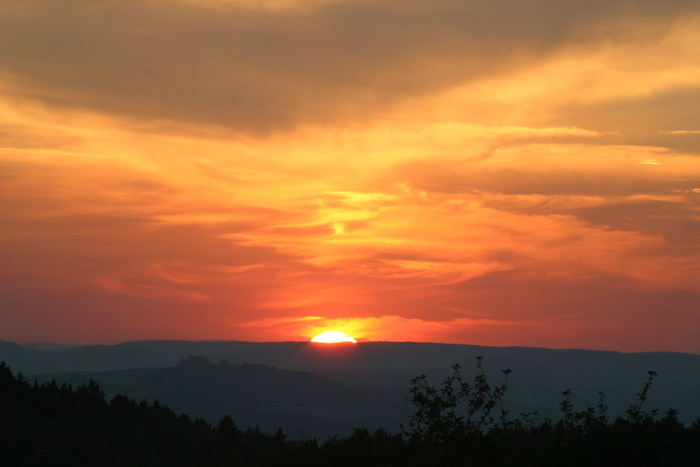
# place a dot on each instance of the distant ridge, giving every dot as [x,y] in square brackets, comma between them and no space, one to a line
[47,345]
[301,402]
[537,380]
[7,346]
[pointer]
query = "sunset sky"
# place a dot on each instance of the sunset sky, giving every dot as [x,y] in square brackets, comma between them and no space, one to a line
[504,172]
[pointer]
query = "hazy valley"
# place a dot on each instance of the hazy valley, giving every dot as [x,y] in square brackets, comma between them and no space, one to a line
[317,390]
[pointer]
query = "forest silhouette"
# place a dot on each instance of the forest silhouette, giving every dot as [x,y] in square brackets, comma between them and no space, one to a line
[456,423]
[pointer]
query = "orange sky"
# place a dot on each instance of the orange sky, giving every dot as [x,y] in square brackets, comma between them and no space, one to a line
[500,173]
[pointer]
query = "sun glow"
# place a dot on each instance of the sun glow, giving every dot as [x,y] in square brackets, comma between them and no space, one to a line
[333,337]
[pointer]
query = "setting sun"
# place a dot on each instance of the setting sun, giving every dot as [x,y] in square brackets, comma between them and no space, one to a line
[333,337]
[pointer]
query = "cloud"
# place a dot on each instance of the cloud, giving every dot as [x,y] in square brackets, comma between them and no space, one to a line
[454,171]
[679,132]
[384,328]
[115,286]
[554,169]
[276,322]
[24,137]
[562,330]
[260,70]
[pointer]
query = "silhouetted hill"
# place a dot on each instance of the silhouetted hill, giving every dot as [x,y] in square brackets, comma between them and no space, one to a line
[57,425]
[6,346]
[301,402]
[539,375]
[143,354]
[47,345]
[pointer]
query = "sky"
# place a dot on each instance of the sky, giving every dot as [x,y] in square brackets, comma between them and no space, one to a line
[507,173]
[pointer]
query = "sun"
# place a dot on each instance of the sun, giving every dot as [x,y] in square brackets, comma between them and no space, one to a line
[333,337]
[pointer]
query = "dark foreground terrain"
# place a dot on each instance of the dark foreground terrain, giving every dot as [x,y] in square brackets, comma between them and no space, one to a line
[305,404]
[458,422]
[321,390]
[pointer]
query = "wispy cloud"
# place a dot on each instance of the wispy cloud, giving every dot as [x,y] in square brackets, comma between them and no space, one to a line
[411,169]
[680,132]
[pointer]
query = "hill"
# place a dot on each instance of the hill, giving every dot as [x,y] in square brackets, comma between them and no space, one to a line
[303,403]
[536,383]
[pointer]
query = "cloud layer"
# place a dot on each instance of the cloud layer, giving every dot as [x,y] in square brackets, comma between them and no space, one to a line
[228,64]
[501,173]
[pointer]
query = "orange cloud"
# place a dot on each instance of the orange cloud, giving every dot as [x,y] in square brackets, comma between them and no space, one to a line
[410,170]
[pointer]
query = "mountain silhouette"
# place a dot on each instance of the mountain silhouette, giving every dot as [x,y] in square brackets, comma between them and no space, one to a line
[303,403]
[377,373]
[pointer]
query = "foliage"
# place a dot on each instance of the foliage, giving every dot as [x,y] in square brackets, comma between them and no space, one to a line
[457,409]
[453,424]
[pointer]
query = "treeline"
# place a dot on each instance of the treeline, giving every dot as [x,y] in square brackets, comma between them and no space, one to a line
[456,423]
